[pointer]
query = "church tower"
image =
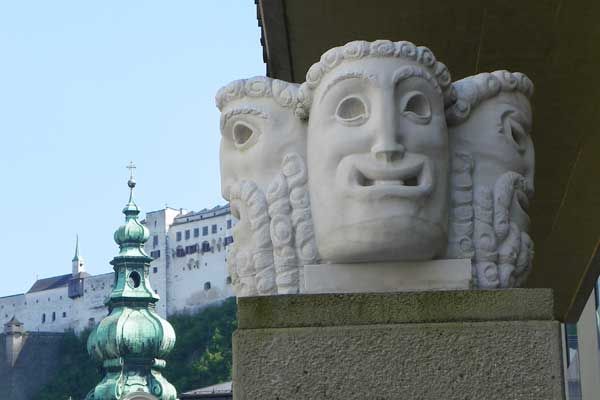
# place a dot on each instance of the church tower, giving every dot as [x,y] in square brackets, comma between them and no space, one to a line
[78,273]
[132,341]
[78,264]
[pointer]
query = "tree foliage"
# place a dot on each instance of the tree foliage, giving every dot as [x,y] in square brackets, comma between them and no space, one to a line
[201,357]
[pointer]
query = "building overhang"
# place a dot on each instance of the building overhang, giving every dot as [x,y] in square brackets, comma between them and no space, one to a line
[554,42]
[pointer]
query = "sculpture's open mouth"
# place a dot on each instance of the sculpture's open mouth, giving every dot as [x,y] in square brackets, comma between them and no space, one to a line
[411,177]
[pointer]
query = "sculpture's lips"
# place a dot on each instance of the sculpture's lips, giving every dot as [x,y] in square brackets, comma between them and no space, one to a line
[410,177]
[522,200]
[234,207]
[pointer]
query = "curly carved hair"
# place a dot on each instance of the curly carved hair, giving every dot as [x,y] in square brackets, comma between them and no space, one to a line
[284,93]
[360,49]
[473,90]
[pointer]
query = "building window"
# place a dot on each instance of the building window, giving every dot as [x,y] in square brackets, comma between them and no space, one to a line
[196,232]
[155,254]
[43,318]
[180,252]
[205,246]
[187,234]
[53,316]
[154,240]
[228,240]
[64,314]
[155,270]
[191,249]
[214,228]
[206,285]
[228,224]
[204,230]
[228,280]
[178,236]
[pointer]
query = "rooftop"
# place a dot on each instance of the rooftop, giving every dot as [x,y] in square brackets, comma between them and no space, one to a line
[202,214]
[218,391]
[53,282]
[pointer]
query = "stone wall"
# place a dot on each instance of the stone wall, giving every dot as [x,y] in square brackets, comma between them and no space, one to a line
[35,366]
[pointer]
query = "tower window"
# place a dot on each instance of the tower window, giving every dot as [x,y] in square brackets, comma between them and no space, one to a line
[155,240]
[43,318]
[53,316]
[155,270]
[228,280]
[206,285]
[64,314]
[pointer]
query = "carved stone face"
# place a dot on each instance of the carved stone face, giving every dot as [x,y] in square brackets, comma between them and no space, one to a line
[256,133]
[378,160]
[497,136]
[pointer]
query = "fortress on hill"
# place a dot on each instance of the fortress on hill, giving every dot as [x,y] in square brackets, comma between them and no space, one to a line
[188,272]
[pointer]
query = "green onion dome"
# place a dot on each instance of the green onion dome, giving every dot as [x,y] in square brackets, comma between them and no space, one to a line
[132,341]
[132,235]
[131,331]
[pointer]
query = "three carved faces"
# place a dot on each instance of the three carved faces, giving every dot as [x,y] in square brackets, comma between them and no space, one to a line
[376,144]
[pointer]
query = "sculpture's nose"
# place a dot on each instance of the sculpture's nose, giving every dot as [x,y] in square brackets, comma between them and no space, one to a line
[386,144]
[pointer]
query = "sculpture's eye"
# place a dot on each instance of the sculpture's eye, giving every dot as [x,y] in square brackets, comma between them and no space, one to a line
[514,131]
[244,135]
[351,110]
[415,106]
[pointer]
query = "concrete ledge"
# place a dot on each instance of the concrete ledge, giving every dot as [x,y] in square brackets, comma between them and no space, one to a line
[318,310]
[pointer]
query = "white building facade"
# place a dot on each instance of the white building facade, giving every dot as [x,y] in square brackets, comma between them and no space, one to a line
[189,271]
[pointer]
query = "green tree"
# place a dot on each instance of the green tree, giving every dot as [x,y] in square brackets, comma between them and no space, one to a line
[201,357]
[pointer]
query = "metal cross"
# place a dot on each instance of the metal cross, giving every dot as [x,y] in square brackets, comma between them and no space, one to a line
[131,167]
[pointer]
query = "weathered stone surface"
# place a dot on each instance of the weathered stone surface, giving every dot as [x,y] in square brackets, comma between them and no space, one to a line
[35,366]
[394,308]
[476,360]
[430,345]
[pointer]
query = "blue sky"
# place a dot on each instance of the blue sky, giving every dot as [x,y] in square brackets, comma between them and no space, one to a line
[85,87]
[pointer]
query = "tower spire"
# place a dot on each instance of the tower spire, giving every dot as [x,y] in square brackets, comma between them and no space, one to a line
[132,340]
[77,264]
[76,256]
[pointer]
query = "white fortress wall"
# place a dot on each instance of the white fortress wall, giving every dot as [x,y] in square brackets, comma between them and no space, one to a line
[188,272]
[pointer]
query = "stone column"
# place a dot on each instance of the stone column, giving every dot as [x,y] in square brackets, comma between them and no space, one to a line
[502,344]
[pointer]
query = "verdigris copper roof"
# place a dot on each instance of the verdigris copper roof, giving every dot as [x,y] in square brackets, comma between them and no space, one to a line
[133,339]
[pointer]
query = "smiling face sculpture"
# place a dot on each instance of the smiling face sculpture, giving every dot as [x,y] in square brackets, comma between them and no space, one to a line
[378,152]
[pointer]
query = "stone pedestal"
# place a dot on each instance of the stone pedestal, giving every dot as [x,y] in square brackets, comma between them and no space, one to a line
[447,345]
[380,277]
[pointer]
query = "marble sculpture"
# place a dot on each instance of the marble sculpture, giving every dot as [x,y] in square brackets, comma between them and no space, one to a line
[377,156]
